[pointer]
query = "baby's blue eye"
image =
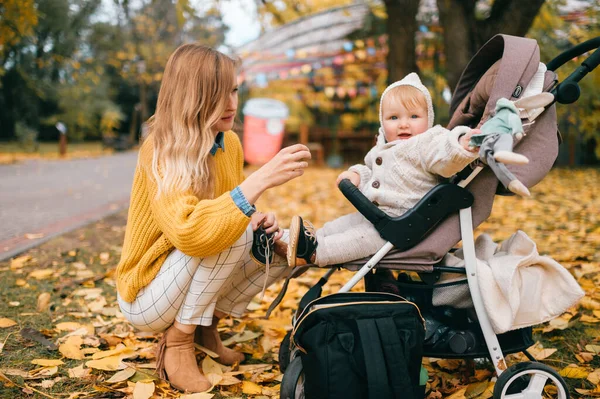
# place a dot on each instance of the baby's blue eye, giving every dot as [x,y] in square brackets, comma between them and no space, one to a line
[394,118]
[414,116]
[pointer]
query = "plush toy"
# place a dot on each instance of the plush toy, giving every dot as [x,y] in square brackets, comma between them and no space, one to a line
[501,132]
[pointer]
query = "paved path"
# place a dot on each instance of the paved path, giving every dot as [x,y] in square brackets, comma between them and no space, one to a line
[43,198]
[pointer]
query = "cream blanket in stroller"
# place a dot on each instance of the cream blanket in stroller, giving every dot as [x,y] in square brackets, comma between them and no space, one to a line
[519,287]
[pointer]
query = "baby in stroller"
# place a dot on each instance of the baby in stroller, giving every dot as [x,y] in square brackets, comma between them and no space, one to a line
[410,158]
[505,67]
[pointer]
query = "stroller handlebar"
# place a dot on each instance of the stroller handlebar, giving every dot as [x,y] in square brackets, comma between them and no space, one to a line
[576,51]
[568,91]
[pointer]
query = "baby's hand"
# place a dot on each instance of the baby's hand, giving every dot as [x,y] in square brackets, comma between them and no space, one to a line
[465,138]
[352,176]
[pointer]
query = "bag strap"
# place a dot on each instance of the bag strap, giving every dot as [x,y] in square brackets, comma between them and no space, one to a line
[399,375]
[377,380]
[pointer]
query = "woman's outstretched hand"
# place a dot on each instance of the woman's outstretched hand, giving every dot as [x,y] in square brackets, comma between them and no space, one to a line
[288,164]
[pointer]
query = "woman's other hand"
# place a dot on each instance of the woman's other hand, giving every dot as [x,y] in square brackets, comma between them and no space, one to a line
[288,164]
[352,176]
[268,221]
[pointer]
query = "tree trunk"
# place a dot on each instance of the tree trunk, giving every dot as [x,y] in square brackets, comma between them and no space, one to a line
[464,34]
[401,28]
[459,47]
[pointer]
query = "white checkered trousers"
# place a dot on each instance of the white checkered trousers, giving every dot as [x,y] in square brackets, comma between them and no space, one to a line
[189,289]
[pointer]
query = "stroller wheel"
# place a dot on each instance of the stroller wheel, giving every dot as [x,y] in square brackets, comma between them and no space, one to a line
[292,384]
[529,380]
[285,352]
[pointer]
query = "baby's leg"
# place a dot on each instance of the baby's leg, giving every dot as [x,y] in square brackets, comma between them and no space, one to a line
[337,225]
[355,238]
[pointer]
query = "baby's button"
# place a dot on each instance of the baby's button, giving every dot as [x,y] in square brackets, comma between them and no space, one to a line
[375,184]
[378,161]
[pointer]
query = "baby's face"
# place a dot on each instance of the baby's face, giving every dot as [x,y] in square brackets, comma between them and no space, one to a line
[400,123]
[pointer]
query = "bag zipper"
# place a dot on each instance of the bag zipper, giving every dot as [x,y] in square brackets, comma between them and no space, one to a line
[293,341]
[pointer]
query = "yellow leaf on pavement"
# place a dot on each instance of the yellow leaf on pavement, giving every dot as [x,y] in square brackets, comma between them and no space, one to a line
[47,362]
[4,322]
[111,363]
[575,372]
[250,388]
[143,390]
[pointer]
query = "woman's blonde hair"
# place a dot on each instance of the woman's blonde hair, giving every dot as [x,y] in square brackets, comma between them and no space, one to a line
[195,90]
[410,97]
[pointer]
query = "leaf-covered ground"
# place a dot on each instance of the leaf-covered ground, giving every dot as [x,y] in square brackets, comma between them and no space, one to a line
[62,336]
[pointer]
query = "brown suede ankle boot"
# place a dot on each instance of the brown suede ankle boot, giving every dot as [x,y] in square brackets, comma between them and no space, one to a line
[176,362]
[209,338]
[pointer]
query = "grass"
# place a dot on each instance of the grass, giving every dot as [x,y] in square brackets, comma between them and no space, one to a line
[11,152]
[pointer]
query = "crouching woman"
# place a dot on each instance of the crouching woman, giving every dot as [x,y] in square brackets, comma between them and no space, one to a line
[185,260]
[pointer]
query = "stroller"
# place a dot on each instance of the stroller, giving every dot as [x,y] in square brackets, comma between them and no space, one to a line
[419,239]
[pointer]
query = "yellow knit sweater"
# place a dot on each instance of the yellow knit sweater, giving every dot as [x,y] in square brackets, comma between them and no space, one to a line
[178,220]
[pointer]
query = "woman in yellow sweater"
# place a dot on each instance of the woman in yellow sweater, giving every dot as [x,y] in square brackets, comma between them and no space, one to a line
[185,259]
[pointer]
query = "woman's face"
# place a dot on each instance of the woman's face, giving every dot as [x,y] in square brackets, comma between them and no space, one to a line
[226,121]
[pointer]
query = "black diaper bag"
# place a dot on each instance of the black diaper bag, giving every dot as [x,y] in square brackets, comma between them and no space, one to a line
[361,345]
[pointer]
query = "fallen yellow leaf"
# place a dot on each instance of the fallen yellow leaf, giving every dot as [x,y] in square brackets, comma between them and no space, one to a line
[43,301]
[250,388]
[71,351]
[229,380]
[68,326]
[79,372]
[593,348]
[111,363]
[143,390]
[47,362]
[210,366]
[200,395]
[594,377]
[19,262]
[122,352]
[575,372]
[4,322]
[460,394]
[41,274]
[121,376]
